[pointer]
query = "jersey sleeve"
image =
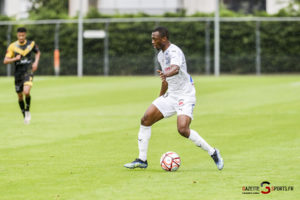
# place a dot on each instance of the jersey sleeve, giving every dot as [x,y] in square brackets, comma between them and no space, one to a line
[35,48]
[10,52]
[175,57]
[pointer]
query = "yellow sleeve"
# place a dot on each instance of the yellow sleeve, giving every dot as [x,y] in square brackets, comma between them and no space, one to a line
[10,51]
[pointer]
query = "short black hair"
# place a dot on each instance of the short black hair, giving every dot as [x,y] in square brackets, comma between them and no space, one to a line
[163,31]
[21,30]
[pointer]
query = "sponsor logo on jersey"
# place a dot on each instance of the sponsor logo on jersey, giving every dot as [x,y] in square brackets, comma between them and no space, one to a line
[25,61]
[181,102]
[167,69]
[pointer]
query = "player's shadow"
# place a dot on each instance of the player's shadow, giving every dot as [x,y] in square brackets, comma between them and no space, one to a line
[163,171]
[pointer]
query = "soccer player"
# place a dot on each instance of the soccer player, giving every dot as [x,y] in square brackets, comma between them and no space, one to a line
[177,95]
[20,52]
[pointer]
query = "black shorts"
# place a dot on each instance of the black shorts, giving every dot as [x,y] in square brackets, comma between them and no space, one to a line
[23,79]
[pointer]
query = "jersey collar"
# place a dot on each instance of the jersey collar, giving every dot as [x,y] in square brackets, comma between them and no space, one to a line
[22,43]
[167,48]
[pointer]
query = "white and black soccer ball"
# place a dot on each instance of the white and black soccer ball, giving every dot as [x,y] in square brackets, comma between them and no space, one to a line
[170,161]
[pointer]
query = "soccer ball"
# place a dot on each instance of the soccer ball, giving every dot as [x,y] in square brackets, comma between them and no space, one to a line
[170,161]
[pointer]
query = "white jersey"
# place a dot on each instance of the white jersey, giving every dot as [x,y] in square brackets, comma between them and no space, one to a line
[181,83]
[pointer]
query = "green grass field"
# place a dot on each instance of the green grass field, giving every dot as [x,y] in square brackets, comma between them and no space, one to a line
[84,129]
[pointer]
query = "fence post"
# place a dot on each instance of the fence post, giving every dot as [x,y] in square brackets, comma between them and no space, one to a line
[79,39]
[207,47]
[258,50]
[106,49]
[56,50]
[217,39]
[8,36]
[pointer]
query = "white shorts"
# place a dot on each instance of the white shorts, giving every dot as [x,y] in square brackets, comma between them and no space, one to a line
[169,105]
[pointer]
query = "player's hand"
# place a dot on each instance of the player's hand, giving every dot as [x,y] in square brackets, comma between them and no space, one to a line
[18,57]
[162,75]
[34,66]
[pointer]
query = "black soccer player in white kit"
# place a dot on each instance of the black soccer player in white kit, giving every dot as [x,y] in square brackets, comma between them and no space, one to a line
[177,96]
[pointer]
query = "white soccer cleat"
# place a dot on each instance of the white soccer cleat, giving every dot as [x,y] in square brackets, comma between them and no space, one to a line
[27,117]
[218,159]
[137,163]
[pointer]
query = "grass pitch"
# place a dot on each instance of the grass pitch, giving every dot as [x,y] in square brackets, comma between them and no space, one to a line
[84,129]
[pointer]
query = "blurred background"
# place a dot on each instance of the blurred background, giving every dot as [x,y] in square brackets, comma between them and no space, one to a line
[113,37]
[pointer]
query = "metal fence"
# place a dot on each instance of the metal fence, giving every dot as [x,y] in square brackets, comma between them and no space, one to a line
[248,45]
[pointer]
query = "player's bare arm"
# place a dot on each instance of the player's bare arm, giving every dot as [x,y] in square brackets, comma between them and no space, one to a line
[8,60]
[164,88]
[173,71]
[164,83]
[36,62]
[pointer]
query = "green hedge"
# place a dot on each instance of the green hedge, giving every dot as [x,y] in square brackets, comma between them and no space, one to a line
[131,52]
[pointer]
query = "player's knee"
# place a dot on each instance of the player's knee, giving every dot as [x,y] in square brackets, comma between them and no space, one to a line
[26,93]
[145,121]
[184,131]
[20,96]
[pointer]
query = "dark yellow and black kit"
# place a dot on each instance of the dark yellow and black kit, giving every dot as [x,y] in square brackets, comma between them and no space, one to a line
[23,67]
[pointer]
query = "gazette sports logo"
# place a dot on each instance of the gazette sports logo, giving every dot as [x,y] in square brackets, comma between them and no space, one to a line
[265,188]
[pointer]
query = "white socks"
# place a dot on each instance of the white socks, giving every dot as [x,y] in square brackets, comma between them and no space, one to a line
[143,140]
[145,134]
[200,142]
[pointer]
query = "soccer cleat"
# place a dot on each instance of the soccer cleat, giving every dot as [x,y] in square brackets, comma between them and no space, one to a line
[27,117]
[138,163]
[218,159]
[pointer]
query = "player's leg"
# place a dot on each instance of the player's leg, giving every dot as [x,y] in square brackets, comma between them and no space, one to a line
[160,108]
[184,109]
[28,78]
[183,123]
[19,91]
[26,92]
[151,116]
[21,103]
[183,127]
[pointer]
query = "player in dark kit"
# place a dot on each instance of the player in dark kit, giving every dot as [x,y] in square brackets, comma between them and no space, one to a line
[20,52]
